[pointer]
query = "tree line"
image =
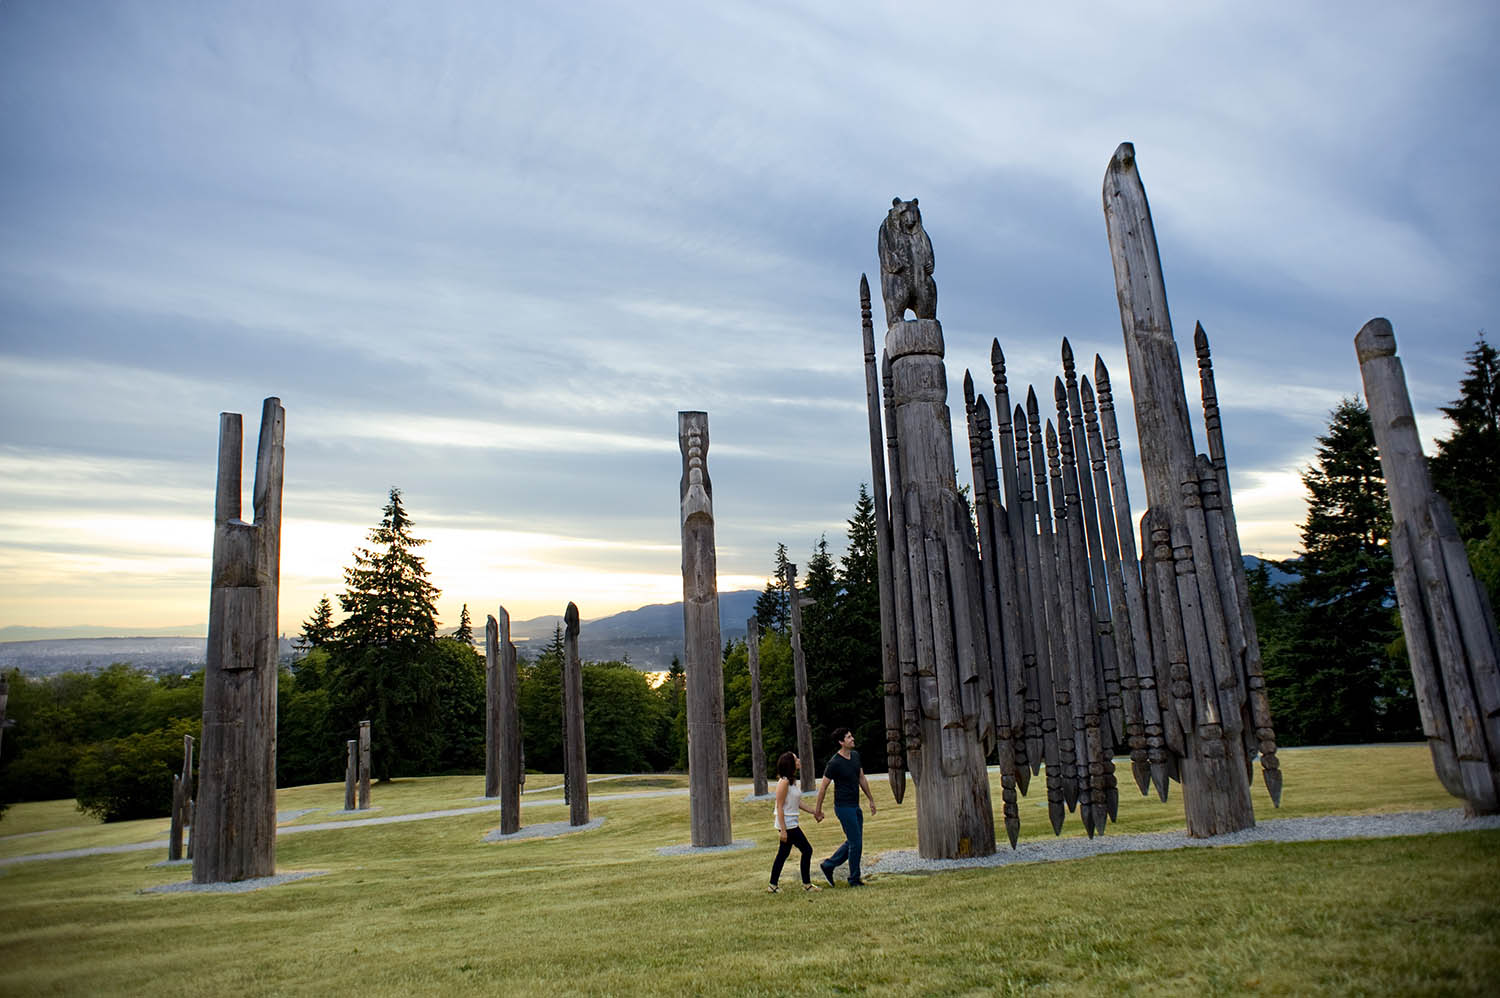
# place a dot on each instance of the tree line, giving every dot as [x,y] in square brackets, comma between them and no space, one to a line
[1333,656]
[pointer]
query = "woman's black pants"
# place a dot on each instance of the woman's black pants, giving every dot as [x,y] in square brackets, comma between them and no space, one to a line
[794,837]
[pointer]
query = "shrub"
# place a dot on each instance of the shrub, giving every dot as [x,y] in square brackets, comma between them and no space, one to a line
[128,778]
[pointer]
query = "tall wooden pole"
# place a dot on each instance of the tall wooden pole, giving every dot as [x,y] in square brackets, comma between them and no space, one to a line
[799,678]
[757,739]
[890,665]
[508,725]
[954,812]
[1216,789]
[364,765]
[351,775]
[708,766]
[236,813]
[1450,631]
[576,775]
[491,708]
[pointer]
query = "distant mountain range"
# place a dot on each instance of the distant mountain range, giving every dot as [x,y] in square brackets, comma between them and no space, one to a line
[647,637]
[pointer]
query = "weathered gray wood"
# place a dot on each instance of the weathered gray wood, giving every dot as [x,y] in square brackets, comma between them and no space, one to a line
[1078,628]
[182,792]
[351,775]
[364,765]
[708,765]
[236,816]
[574,742]
[1040,698]
[1207,587]
[1010,668]
[799,679]
[1098,590]
[1441,608]
[491,707]
[1175,691]
[1058,633]
[1427,682]
[906,264]
[1152,691]
[4,698]
[757,742]
[1216,795]
[512,764]
[954,812]
[1261,728]
[890,665]
[1024,715]
[1120,628]
[901,587]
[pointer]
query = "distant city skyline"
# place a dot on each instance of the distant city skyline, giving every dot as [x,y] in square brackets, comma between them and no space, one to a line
[484,253]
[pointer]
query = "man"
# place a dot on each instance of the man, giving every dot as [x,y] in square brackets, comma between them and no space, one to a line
[848,778]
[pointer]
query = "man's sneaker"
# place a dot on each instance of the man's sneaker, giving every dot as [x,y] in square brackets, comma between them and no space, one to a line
[827,873]
[858,883]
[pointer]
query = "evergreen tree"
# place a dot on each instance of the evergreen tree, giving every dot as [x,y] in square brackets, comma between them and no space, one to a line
[1466,468]
[465,632]
[773,609]
[1332,679]
[317,630]
[382,663]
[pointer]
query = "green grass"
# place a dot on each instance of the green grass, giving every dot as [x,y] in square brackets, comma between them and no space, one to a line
[429,906]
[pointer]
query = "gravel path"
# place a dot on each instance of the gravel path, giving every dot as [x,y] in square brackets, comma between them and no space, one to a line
[1367,826]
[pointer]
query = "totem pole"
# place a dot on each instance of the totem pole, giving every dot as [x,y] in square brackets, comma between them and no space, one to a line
[757,740]
[509,773]
[351,775]
[575,756]
[235,825]
[1196,598]
[182,797]
[799,679]
[947,698]
[708,765]
[364,765]
[1449,624]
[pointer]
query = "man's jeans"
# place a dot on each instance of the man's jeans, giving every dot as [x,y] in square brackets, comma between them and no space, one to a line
[853,820]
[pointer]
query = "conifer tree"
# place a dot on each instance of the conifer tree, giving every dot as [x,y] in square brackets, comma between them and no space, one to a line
[1334,680]
[317,630]
[1466,467]
[465,632]
[773,608]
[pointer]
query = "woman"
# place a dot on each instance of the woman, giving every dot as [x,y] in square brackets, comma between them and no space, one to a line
[788,803]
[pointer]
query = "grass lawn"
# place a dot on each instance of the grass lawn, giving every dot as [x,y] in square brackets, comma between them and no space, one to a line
[429,906]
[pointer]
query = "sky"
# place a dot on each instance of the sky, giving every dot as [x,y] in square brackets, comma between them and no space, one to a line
[486,252]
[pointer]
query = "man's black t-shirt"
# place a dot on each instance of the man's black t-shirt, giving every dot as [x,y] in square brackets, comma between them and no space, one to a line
[845,776]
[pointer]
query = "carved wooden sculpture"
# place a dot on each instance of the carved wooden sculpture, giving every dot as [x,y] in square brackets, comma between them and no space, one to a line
[364,765]
[757,741]
[491,708]
[236,813]
[576,774]
[182,794]
[708,766]
[1450,629]
[509,769]
[1214,770]
[890,666]
[799,679]
[948,696]
[351,775]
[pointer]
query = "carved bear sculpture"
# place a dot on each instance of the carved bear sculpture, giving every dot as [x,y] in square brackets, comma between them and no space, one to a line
[906,264]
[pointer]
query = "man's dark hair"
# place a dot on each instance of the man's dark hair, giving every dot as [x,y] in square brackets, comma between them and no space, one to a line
[786,765]
[838,735]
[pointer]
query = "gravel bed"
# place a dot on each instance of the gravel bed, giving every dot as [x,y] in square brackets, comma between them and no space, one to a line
[237,887]
[1370,826]
[543,831]
[692,850]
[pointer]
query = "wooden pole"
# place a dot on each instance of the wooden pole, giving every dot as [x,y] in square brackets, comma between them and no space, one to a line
[708,766]
[577,776]
[236,816]
[1076,626]
[1216,794]
[181,793]
[1261,733]
[1059,631]
[1449,633]
[890,665]
[508,727]
[491,708]
[351,775]
[799,675]
[954,813]
[757,738]
[902,587]
[1040,699]
[364,765]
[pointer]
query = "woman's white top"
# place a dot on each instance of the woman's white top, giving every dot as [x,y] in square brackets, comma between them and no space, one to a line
[790,808]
